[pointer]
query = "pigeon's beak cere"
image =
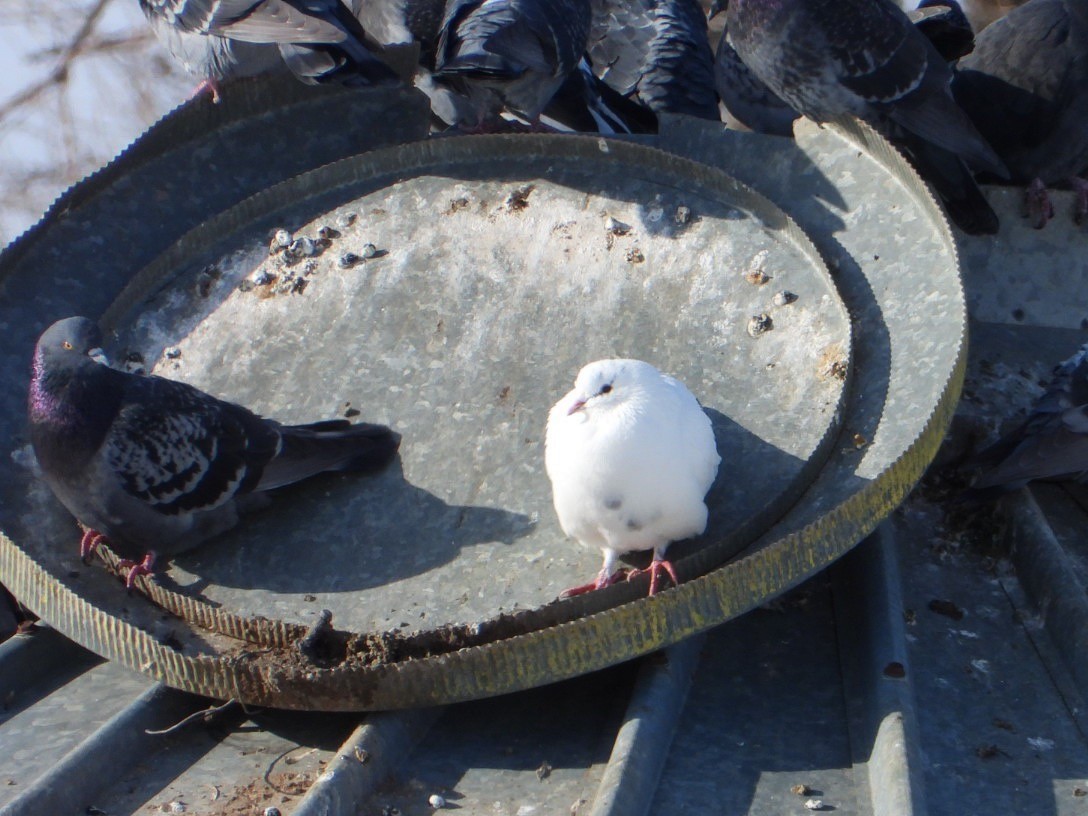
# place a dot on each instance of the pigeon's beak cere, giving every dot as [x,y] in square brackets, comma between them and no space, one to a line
[98,356]
[578,405]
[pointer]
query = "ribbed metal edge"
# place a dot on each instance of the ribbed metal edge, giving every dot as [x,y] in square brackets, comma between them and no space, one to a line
[380,168]
[562,651]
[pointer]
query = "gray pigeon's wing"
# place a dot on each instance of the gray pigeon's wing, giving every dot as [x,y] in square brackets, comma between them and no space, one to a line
[504,39]
[1025,84]
[747,97]
[180,450]
[1059,449]
[264,21]
[656,50]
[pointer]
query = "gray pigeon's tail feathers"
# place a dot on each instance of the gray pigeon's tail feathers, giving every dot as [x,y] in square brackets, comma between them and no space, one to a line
[334,445]
[937,118]
[964,202]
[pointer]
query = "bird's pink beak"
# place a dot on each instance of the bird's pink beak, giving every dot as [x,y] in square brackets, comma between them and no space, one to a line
[577,406]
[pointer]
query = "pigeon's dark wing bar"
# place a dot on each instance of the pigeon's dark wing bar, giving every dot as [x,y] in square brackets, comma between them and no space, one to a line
[180,450]
[877,55]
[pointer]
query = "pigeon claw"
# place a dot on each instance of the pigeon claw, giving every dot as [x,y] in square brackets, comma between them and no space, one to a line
[1080,189]
[89,543]
[657,566]
[603,579]
[145,567]
[1037,204]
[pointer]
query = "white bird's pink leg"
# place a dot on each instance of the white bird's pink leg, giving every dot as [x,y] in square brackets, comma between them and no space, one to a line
[606,577]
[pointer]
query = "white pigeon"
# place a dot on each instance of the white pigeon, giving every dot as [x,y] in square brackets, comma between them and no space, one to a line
[631,456]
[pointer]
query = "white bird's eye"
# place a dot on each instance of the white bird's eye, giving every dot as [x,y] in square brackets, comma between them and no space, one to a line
[605,388]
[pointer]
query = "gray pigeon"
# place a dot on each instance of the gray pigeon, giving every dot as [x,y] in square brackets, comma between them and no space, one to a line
[512,54]
[829,58]
[657,52]
[746,97]
[319,40]
[750,102]
[1025,87]
[1052,443]
[156,466]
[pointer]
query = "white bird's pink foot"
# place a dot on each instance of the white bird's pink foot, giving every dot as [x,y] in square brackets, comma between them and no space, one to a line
[604,578]
[657,566]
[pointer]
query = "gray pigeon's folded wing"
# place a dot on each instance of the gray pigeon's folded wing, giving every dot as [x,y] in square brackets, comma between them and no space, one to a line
[179,453]
[1061,450]
[265,21]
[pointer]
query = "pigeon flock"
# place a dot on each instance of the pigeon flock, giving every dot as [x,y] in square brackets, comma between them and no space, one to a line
[1005,105]
[155,467]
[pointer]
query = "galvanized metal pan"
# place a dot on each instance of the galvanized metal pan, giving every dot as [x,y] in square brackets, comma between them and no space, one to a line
[497,266]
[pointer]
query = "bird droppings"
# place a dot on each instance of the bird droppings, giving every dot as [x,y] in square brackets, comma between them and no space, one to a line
[171,352]
[303,247]
[327,233]
[544,771]
[614,226]
[831,364]
[369,251]
[518,200]
[281,240]
[457,204]
[757,277]
[350,411]
[1078,791]
[682,215]
[345,220]
[946,608]
[272,811]
[784,298]
[177,807]
[348,260]
[634,256]
[801,790]
[1041,744]
[859,441]
[815,804]
[436,801]
[760,324]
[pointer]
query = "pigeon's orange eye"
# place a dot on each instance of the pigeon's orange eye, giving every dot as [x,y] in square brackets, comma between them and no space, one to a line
[67,345]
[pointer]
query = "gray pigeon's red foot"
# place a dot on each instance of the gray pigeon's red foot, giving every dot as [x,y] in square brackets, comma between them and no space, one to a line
[657,566]
[89,543]
[603,580]
[1037,204]
[145,567]
[1080,189]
